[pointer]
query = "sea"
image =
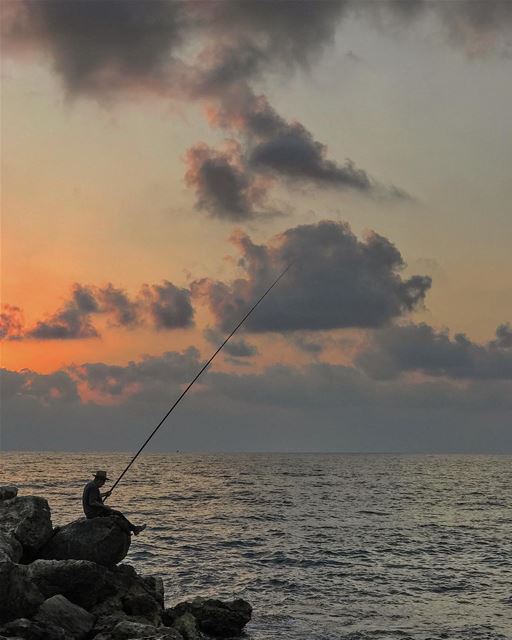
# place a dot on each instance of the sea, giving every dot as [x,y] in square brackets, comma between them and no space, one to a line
[324,546]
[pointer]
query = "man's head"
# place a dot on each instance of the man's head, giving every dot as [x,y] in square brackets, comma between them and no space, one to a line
[100,477]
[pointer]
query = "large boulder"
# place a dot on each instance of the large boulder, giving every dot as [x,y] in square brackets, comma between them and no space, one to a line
[27,519]
[134,598]
[19,596]
[214,617]
[58,611]
[82,582]
[100,540]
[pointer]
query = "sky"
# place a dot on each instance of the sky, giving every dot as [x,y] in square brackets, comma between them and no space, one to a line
[163,161]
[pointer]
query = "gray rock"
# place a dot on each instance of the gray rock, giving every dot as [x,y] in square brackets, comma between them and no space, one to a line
[10,548]
[155,585]
[59,611]
[82,582]
[214,617]
[30,630]
[125,630]
[133,598]
[19,596]
[186,626]
[7,492]
[105,622]
[100,540]
[28,520]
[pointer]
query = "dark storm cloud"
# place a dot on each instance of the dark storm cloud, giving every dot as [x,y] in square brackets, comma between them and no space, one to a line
[97,46]
[336,281]
[236,347]
[409,348]
[100,45]
[169,306]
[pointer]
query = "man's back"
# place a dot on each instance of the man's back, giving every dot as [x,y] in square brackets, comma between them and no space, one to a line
[90,495]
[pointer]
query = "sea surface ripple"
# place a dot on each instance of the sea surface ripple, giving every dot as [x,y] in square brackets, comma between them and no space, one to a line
[325,547]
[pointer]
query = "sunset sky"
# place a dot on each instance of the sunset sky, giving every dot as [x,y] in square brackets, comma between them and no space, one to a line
[162,162]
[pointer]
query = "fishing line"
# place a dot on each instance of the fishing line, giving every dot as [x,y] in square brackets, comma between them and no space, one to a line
[196,377]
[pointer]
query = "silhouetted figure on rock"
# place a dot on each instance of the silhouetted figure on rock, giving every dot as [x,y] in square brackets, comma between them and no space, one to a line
[92,501]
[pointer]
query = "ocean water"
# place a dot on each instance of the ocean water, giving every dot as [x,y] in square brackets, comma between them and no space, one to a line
[325,547]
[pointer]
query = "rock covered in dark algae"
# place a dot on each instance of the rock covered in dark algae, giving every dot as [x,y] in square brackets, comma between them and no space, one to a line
[66,584]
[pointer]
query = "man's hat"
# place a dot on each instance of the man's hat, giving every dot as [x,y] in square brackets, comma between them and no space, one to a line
[102,475]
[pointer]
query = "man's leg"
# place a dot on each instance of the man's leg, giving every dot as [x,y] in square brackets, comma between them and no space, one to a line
[126,524]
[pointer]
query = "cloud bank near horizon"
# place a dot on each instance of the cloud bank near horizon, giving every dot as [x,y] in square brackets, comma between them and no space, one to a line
[235,411]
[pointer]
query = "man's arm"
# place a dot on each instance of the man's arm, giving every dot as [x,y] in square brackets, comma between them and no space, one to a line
[94,500]
[99,504]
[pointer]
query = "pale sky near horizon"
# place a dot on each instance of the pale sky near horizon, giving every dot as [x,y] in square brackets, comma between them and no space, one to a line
[101,184]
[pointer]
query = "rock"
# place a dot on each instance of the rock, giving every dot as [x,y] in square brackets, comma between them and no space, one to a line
[155,585]
[19,597]
[7,492]
[105,622]
[82,582]
[214,617]
[27,519]
[126,630]
[99,540]
[142,605]
[134,599]
[59,611]
[29,630]
[186,625]
[10,548]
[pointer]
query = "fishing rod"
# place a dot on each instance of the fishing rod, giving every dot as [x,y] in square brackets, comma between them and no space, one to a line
[196,377]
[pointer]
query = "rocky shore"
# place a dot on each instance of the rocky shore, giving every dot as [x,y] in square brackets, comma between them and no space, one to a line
[66,583]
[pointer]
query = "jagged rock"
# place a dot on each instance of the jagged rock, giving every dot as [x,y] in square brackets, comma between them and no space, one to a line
[100,540]
[7,492]
[59,611]
[19,596]
[82,582]
[10,548]
[127,630]
[105,622]
[155,585]
[214,617]
[28,519]
[186,625]
[30,630]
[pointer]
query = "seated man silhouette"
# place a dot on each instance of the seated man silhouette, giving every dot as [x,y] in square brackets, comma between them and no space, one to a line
[92,501]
